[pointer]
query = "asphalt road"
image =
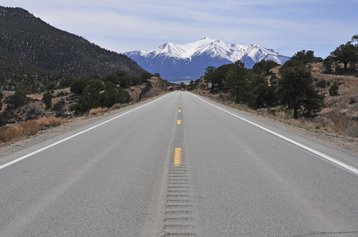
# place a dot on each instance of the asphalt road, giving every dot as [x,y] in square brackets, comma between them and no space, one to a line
[182,166]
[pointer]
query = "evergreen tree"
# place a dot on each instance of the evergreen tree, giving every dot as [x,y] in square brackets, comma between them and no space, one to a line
[261,94]
[345,53]
[236,82]
[296,91]
[305,56]
[264,67]
[327,64]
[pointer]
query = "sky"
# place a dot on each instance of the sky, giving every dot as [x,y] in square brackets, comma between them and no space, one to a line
[286,26]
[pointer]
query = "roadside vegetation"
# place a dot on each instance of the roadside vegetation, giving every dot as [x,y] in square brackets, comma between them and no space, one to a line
[259,87]
[28,128]
[307,90]
[23,114]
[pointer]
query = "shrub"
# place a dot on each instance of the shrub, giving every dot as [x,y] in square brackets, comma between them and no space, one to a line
[112,96]
[90,97]
[65,83]
[3,119]
[321,84]
[51,86]
[47,100]
[16,100]
[327,64]
[78,86]
[33,112]
[58,108]
[1,97]
[333,90]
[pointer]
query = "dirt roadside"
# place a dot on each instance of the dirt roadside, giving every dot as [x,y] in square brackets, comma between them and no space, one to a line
[67,125]
[340,142]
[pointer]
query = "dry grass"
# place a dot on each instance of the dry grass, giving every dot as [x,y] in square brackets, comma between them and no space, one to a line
[28,128]
[282,115]
[98,111]
[117,106]
[346,126]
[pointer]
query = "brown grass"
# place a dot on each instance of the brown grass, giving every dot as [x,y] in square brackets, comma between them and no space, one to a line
[28,128]
[98,111]
[347,126]
[117,106]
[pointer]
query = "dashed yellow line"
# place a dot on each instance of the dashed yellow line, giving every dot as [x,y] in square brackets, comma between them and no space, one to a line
[177,157]
[178,122]
[179,110]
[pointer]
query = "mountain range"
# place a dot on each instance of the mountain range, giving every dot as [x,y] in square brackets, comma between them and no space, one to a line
[34,54]
[182,62]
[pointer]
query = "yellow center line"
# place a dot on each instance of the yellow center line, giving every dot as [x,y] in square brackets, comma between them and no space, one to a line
[177,157]
[179,110]
[178,122]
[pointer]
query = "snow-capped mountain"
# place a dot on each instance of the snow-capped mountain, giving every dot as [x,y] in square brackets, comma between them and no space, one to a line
[178,62]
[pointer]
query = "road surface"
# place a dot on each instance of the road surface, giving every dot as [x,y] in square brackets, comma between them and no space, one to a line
[179,165]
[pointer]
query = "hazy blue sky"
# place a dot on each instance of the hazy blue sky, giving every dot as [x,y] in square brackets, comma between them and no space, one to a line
[123,25]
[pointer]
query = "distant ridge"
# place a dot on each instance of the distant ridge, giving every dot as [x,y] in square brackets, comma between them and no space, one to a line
[178,62]
[32,50]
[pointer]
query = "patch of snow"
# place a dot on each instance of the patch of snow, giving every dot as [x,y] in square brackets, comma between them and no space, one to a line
[212,47]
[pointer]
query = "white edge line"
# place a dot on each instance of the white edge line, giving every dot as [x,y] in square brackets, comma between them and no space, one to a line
[318,153]
[75,135]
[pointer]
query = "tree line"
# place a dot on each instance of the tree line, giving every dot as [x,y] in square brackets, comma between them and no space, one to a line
[294,89]
[259,88]
[106,92]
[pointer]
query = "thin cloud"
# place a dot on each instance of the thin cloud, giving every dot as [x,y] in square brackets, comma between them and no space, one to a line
[121,25]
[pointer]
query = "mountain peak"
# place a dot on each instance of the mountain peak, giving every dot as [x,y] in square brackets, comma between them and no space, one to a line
[199,54]
[212,47]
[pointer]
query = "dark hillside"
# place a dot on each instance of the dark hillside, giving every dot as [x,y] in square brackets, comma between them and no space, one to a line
[33,52]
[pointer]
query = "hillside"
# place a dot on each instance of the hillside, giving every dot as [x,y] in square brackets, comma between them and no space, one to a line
[34,54]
